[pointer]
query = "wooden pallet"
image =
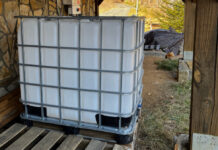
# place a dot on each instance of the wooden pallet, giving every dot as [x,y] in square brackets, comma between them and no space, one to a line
[20,137]
[92,133]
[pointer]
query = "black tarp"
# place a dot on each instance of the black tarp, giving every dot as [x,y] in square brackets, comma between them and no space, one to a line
[169,41]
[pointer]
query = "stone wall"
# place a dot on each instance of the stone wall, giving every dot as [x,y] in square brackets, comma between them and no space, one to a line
[8,32]
[89,8]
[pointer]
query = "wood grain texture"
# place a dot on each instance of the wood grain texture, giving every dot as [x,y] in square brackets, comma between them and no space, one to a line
[10,133]
[48,141]
[189,25]
[10,107]
[70,143]
[204,107]
[96,145]
[21,137]
[25,140]
[214,123]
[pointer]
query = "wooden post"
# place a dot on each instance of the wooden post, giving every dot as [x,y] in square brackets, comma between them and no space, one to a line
[189,29]
[204,107]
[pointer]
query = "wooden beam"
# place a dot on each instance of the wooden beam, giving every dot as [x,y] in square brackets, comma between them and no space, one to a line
[190,15]
[204,107]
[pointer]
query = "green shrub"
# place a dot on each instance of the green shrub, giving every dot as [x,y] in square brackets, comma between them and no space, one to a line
[167,64]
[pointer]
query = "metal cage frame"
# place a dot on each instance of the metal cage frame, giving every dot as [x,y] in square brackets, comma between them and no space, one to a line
[137,90]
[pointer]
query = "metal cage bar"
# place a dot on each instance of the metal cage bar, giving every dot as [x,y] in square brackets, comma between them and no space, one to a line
[79,91]
[81,48]
[84,17]
[82,69]
[121,75]
[77,109]
[100,74]
[24,73]
[135,73]
[59,71]
[40,68]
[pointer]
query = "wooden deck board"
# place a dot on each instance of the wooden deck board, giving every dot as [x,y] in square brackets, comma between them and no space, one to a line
[70,143]
[96,145]
[10,133]
[26,139]
[48,141]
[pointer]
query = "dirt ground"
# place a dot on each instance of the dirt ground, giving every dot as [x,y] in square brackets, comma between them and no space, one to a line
[165,108]
[153,80]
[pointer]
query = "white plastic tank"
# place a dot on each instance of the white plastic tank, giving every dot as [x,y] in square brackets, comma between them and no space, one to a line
[84,39]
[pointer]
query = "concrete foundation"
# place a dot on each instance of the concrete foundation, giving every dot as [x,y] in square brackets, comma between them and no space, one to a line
[184,71]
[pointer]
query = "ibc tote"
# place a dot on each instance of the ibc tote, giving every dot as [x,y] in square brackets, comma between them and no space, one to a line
[84,72]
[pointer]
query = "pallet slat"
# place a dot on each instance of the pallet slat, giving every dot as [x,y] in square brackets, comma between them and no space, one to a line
[21,137]
[10,133]
[26,139]
[96,145]
[48,141]
[70,143]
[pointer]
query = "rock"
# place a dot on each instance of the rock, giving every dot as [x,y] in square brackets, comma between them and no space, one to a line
[6,59]
[24,1]
[51,13]
[9,14]
[30,13]
[52,9]
[37,4]
[59,4]
[52,4]
[16,56]
[181,142]
[24,10]
[4,73]
[38,12]
[1,64]
[0,7]
[149,94]
[16,68]
[11,41]
[13,85]
[4,44]
[184,73]
[3,92]
[190,64]
[3,25]
[1,34]
[45,11]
